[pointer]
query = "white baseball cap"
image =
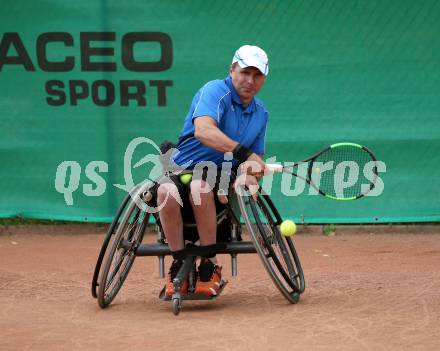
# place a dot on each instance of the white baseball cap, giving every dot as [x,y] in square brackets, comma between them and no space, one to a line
[252,56]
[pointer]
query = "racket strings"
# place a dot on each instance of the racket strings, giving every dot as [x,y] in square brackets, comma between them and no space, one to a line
[341,172]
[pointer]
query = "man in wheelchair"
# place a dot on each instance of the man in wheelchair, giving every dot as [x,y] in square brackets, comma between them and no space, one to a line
[225,127]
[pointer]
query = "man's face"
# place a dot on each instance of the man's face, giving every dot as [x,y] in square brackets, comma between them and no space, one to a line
[247,81]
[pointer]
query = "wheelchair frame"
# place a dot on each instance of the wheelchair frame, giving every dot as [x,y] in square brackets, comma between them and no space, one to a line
[123,242]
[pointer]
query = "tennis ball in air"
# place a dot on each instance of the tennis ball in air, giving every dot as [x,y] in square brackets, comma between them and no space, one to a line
[186,178]
[288,228]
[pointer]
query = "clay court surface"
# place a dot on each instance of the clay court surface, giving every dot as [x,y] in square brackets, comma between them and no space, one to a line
[368,291]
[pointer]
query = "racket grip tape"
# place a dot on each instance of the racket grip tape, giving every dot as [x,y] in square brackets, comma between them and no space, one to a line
[273,167]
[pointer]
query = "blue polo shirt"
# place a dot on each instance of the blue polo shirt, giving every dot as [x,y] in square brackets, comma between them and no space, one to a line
[219,100]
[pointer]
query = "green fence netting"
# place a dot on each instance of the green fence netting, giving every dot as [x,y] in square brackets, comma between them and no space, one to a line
[80,80]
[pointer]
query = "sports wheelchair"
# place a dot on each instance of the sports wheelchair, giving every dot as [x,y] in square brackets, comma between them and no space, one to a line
[123,243]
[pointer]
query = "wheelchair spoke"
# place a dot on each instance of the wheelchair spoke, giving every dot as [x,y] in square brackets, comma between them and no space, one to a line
[280,247]
[273,246]
[122,272]
[115,269]
[276,251]
[128,237]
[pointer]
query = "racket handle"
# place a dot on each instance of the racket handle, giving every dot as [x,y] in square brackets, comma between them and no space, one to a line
[274,167]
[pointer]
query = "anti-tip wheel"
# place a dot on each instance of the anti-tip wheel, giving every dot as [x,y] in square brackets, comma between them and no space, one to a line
[176,305]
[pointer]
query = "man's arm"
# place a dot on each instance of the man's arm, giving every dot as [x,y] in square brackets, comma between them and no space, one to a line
[205,130]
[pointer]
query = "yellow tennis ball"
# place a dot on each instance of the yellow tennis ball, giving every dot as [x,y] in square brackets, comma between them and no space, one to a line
[186,178]
[288,228]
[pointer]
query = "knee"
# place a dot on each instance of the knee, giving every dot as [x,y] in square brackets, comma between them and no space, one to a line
[200,190]
[168,195]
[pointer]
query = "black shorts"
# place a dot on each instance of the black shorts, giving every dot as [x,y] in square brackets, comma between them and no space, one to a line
[215,182]
[219,180]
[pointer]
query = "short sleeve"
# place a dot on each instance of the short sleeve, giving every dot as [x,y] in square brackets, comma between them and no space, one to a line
[258,146]
[209,102]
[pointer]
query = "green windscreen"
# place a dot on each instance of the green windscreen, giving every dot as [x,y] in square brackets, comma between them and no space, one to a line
[80,81]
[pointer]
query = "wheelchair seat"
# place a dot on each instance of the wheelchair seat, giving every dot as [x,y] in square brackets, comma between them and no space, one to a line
[225,221]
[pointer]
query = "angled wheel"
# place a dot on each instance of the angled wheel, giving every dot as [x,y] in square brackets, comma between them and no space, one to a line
[110,233]
[121,253]
[276,251]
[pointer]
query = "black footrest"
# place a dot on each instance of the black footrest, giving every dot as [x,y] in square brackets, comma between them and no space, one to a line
[192,296]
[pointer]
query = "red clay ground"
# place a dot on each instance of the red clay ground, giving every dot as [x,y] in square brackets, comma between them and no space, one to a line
[364,292]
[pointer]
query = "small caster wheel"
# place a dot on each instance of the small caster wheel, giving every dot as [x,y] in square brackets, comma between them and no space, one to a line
[177,306]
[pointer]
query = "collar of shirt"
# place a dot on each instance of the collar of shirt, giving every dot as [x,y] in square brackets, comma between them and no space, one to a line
[236,98]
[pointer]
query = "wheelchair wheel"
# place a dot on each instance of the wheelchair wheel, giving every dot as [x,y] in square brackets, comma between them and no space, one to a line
[122,252]
[275,250]
[177,306]
[110,232]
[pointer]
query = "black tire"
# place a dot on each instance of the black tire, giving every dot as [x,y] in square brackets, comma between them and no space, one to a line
[110,232]
[276,251]
[121,253]
[176,306]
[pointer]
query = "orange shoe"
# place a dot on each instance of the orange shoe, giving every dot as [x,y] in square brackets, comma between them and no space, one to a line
[209,278]
[169,287]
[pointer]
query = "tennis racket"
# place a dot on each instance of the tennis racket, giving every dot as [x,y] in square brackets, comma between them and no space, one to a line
[342,171]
